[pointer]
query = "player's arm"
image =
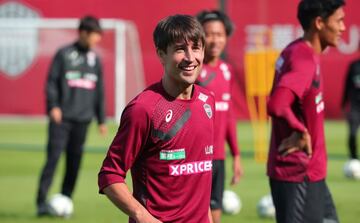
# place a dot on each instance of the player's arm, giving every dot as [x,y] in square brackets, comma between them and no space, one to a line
[52,88]
[131,137]
[279,106]
[100,100]
[210,216]
[120,195]
[231,138]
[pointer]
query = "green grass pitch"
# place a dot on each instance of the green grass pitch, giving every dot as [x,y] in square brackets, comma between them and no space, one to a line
[22,156]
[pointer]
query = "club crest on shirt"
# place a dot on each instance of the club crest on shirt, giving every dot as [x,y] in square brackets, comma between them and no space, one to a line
[208,110]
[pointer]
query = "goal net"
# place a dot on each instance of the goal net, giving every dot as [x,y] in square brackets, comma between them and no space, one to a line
[27,47]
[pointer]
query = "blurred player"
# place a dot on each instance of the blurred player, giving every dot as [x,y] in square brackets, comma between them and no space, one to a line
[351,96]
[297,157]
[74,94]
[166,136]
[216,77]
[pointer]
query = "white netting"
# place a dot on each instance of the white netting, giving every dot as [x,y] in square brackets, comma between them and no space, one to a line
[28,45]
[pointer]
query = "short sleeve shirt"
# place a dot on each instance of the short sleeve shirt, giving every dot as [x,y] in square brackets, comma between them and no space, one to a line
[298,69]
[168,145]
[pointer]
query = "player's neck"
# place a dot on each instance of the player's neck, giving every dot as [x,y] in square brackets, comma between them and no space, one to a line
[83,45]
[313,40]
[211,61]
[176,90]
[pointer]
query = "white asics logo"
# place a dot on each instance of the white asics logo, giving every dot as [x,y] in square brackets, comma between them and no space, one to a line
[168,116]
[190,168]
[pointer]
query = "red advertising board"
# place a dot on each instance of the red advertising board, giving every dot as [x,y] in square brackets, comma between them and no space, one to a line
[267,23]
[273,24]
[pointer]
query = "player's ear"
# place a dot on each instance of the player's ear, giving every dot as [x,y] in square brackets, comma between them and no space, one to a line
[319,23]
[161,55]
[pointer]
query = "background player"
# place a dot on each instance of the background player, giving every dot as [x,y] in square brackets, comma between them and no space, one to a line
[297,157]
[166,136]
[351,96]
[216,77]
[74,94]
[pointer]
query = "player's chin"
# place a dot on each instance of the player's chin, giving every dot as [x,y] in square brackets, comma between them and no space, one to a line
[214,53]
[335,42]
[190,77]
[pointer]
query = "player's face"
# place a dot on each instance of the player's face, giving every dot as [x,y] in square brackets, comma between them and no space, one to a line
[332,29]
[182,61]
[215,39]
[90,39]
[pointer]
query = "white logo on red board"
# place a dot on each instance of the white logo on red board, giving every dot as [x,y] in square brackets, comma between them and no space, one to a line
[18,46]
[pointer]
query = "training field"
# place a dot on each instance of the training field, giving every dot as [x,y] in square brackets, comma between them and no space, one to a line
[22,156]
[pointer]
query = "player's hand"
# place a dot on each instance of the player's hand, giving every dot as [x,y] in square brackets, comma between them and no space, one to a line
[295,142]
[103,129]
[56,115]
[146,217]
[237,170]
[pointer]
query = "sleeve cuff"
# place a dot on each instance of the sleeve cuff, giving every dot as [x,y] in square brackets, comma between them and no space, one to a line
[106,179]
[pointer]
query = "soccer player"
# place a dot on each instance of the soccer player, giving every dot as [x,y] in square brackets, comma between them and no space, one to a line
[351,96]
[74,94]
[166,136]
[297,156]
[216,76]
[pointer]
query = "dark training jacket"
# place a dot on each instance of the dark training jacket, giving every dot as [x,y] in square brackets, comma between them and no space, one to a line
[75,84]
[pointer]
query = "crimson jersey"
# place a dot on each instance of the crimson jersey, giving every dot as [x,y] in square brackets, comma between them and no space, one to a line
[298,70]
[217,79]
[168,145]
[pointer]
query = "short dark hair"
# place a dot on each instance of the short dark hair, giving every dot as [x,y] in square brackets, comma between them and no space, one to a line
[90,24]
[310,9]
[216,15]
[177,28]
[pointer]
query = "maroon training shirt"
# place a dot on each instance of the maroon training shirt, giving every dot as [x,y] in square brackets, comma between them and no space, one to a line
[217,80]
[168,145]
[298,70]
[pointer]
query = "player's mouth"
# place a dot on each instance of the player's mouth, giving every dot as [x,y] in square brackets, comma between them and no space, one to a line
[188,68]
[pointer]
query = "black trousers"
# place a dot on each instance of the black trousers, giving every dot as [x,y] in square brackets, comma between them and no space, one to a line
[353,118]
[69,136]
[305,202]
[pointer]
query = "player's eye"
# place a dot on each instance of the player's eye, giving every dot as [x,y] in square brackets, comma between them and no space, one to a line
[179,49]
[196,48]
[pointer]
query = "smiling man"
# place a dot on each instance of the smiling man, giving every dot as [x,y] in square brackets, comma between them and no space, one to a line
[297,156]
[166,136]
